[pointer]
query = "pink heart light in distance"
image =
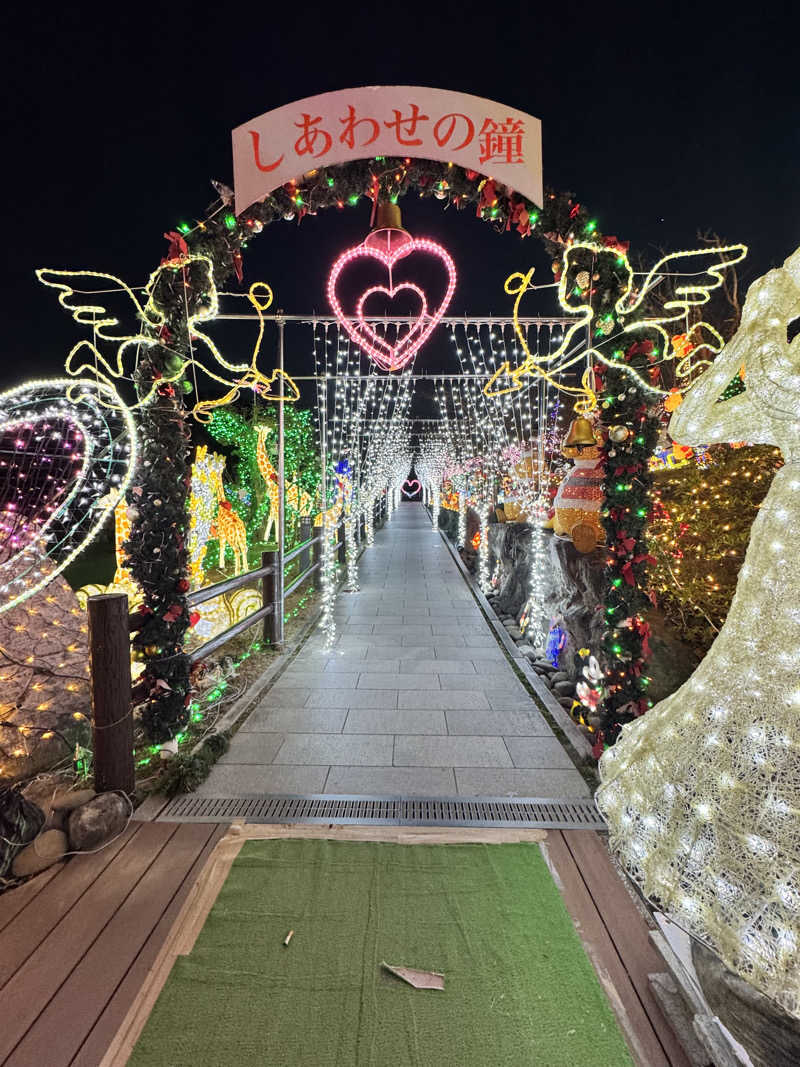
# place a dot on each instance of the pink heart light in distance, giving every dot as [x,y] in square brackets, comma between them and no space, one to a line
[410,491]
[388,356]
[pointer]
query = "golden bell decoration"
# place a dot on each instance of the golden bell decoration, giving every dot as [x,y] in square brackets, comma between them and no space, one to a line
[387,233]
[581,432]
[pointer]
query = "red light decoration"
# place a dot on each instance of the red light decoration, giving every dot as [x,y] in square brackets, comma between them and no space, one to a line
[391,356]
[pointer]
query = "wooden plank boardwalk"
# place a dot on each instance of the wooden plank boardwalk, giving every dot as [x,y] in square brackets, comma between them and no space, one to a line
[85,946]
[77,942]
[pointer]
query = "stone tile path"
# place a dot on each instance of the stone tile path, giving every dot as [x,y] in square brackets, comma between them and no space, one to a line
[416,697]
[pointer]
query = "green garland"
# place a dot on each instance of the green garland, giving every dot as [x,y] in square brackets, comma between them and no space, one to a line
[156,551]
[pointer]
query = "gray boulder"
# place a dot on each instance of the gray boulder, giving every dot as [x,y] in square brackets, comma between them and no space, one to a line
[102,818]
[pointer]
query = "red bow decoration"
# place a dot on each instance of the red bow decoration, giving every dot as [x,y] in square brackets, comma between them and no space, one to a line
[177,247]
[644,348]
[627,544]
[617,245]
[183,585]
[520,218]
[643,630]
[488,196]
[173,613]
[627,568]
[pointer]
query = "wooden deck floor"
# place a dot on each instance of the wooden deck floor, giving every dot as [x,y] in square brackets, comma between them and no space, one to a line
[77,941]
[80,943]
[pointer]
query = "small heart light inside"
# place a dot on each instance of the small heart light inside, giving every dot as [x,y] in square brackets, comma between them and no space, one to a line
[391,356]
[67,452]
[41,461]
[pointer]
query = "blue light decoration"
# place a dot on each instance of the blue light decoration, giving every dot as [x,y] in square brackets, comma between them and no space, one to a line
[556,641]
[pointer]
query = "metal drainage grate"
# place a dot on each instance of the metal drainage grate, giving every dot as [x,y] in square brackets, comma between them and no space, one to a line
[388,811]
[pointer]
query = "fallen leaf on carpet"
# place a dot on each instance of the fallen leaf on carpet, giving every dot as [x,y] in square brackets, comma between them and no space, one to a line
[419,979]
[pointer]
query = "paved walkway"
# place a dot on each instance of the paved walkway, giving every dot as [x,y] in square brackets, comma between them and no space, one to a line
[416,697]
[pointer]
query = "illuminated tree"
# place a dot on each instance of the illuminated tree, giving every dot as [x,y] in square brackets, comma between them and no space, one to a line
[246,489]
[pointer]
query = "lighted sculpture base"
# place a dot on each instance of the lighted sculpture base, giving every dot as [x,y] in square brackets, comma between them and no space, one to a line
[43,680]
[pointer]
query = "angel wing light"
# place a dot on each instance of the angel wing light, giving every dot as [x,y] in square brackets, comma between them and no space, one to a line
[86,295]
[704,278]
[608,323]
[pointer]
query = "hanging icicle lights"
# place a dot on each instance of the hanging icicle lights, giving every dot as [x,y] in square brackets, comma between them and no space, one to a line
[361,422]
[503,448]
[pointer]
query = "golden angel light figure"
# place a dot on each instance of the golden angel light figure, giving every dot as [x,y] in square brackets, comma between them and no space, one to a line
[702,794]
[89,295]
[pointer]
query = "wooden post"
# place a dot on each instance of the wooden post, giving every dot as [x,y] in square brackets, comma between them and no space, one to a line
[305,535]
[271,594]
[316,558]
[110,681]
[342,547]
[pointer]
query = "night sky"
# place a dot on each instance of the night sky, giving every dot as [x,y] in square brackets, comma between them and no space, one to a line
[116,122]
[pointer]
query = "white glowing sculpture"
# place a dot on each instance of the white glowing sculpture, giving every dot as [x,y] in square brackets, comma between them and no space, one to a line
[702,794]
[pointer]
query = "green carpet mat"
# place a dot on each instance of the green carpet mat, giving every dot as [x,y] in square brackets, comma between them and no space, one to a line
[519,988]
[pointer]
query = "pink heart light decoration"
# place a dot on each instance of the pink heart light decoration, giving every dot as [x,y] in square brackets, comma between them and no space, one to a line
[30,498]
[410,491]
[391,356]
[67,453]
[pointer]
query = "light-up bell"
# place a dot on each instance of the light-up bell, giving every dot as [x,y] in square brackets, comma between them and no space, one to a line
[388,243]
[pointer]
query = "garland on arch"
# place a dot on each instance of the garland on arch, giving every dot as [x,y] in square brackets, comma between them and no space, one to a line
[156,550]
[599,275]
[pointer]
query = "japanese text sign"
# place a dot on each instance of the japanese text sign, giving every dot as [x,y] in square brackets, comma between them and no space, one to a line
[397,120]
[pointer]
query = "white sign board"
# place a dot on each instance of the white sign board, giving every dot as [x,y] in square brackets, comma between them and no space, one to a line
[395,120]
